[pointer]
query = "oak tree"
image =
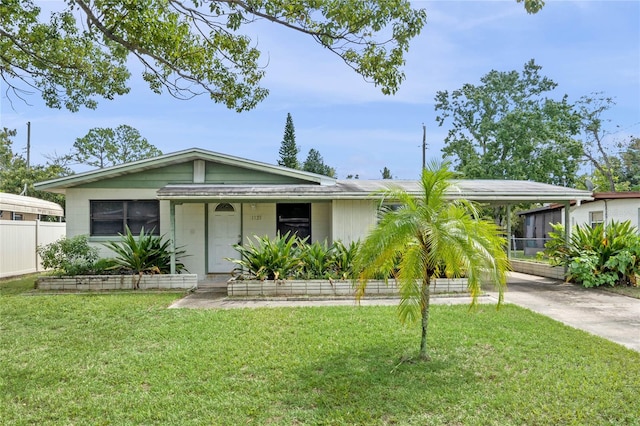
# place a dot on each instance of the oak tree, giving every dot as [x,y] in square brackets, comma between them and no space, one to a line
[187,48]
[82,50]
[508,127]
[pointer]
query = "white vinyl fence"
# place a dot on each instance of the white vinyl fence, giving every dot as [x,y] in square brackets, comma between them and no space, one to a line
[19,241]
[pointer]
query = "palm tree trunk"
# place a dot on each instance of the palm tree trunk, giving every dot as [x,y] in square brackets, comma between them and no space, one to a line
[424,304]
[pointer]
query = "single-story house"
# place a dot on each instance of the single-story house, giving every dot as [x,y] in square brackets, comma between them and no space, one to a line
[604,207]
[206,202]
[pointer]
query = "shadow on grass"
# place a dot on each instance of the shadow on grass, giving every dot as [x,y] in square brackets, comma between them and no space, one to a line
[374,383]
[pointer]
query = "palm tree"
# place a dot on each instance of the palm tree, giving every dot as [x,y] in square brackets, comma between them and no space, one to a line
[430,235]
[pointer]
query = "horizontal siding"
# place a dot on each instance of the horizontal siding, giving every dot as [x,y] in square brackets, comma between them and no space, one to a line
[231,175]
[154,178]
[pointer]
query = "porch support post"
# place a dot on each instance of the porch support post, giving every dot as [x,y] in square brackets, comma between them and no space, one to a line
[172,224]
[567,226]
[509,231]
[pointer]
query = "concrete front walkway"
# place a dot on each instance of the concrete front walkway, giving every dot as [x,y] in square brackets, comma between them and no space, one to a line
[608,315]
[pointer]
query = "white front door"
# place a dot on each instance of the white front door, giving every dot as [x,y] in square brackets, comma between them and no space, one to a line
[224,232]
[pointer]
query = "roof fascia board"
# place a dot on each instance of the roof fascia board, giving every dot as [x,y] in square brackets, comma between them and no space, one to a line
[59,184]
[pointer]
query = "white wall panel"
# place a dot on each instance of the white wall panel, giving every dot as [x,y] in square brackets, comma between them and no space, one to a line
[321,222]
[353,219]
[258,219]
[190,235]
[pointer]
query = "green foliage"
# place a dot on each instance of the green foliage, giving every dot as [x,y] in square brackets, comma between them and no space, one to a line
[145,253]
[288,148]
[189,48]
[316,261]
[69,256]
[386,173]
[597,256]
[123,359]
[507,128]
[315,164]
[287,256]
[15,175]
[429,234]
[103,147]
[269,259]
[343,258]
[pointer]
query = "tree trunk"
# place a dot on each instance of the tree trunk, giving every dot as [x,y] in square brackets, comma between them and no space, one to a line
[424,305]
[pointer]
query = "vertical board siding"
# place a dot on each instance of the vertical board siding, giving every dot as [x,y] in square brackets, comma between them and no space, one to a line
[18,243]
[321,222]
[353,219]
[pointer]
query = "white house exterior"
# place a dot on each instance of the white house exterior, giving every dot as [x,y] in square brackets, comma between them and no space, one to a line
[206,202]
[607,207]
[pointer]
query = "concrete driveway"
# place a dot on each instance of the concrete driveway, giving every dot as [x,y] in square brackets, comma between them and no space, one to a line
[608,315]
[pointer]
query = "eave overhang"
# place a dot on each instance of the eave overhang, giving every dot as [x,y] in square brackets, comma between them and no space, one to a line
[495,192]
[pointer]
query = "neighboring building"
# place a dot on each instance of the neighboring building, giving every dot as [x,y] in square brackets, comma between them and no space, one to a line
[19,207]
[604,208]
[207,202]
[22,231]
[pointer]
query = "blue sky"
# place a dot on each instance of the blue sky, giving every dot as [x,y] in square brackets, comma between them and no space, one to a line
[585,46]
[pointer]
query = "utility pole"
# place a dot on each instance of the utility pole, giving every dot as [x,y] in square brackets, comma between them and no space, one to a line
[424,146]
[28,145]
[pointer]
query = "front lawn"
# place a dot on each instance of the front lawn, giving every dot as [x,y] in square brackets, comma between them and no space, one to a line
[126,359]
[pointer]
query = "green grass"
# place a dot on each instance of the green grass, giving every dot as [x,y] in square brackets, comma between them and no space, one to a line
[126,359]
[624,290]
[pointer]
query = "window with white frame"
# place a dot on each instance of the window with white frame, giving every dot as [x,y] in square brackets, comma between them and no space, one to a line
[111,217]
[596,218]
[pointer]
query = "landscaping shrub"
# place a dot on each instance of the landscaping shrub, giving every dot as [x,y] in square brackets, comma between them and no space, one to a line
[316,261]
[342,259]
[268,259]
[597,256]
[289,257]
[69,256]
[145,253]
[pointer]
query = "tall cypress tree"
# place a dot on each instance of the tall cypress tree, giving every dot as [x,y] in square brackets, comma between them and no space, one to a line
[288,149]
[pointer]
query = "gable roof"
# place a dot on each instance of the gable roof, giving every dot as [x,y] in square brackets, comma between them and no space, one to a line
[60,184]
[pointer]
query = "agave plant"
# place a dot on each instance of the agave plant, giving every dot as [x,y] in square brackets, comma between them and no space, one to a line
[145,253]
[269,259]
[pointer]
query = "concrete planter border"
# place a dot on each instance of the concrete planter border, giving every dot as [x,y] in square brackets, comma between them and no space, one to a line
[251,288]
[539,269]
[118,282]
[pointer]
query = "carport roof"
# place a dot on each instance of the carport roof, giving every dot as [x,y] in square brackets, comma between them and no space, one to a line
[489,191]
[23,204]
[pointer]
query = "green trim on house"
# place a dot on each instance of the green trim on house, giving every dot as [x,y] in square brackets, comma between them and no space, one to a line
[154,178]
[181,157]
[226,174]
